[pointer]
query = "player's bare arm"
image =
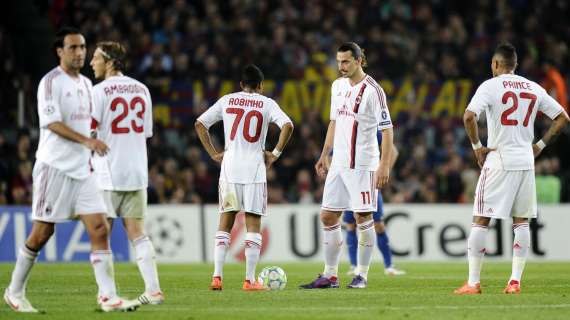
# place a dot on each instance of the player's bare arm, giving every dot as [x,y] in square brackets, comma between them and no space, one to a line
[323,164]
[382,174]
[206,141]
[66,132]
[470,122]
[284,136]
[395,155]
[550,136]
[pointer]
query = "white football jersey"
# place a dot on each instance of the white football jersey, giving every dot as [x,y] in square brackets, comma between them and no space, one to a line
[510,103]
[246,118]
[359,112]
[122,109]
[68,100]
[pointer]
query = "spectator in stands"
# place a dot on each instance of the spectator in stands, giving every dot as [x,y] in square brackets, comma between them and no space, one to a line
[184,41]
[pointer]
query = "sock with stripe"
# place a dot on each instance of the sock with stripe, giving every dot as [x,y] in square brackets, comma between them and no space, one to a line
[366,236]
[252,252]
[521,246]
[384,246]
[475,252]
[221,245]
[146,261]
[24,263]
[332,242]
[102,262]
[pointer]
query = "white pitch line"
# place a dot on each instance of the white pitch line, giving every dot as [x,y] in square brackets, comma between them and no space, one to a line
[361,309]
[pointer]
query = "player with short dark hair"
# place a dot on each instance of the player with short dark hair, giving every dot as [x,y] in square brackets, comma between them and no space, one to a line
[246,116]
[506,187]
[358,111]
[64,188]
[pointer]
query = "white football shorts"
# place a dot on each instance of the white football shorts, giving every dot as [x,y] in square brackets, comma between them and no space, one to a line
[251,197]
[58,197]
[125,204]
[350,189]
[502,194]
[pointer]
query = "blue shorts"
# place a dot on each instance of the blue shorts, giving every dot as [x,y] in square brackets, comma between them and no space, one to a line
[348,216]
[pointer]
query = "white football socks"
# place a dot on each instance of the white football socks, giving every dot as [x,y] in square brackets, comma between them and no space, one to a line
[24,263]
[102,262]
[221,245]
[521,246]
[332,240]
[146,261]
[252,252]
[476,252]
[366,237]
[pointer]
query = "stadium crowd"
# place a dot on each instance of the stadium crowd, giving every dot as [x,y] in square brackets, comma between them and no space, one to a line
[181,41]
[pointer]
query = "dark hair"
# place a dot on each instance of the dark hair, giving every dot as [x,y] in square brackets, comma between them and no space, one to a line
[509,54]
[114,51]
[60,37]
[251,76]
[355,50]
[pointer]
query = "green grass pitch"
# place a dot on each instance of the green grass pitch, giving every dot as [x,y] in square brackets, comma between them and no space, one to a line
[67,291]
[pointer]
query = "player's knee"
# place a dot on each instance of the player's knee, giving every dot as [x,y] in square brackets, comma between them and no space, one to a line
[329,219]
[379,227]
[350,226]
[482,221]
[517,220]
[134,228]
[99,231]
[252,221]
[363,217]
[39,238]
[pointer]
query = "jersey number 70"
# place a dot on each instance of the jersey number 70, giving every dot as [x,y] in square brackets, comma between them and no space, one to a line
[247,123]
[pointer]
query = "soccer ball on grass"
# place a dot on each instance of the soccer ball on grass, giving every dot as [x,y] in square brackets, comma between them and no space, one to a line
[273,278]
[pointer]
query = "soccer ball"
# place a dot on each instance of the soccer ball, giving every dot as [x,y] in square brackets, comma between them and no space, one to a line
[273,278]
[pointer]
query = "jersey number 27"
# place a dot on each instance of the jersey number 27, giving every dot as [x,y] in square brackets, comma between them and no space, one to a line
[509,95]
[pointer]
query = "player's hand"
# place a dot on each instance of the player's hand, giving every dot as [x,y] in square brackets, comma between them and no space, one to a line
[481,155]
[269,158]
[536,150]
[97,146]
[382,176]
[218,157]
[322,166]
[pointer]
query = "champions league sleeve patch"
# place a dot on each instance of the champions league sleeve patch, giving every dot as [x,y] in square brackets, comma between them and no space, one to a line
[49,110]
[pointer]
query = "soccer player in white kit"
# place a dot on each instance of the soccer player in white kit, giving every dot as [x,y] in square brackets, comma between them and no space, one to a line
[64,188]
[506,186]
[246,116]
[122,118]
[358,111]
